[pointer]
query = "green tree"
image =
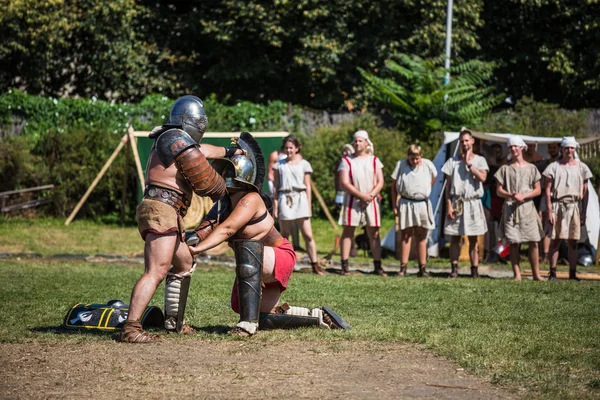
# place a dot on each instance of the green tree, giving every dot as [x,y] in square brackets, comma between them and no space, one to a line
[303,52]
[414,92]
[548,49]
[84,48]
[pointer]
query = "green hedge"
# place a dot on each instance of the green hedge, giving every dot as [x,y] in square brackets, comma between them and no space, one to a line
[66,142]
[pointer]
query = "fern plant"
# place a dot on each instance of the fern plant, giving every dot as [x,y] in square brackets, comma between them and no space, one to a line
[413,91]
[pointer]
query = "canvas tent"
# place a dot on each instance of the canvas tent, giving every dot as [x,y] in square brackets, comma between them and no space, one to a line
[448,149]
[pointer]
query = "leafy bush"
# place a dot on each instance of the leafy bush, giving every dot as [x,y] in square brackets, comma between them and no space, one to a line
[533,118]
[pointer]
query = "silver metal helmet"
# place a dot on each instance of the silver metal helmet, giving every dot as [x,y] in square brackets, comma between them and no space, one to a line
[188,114]
[238,171]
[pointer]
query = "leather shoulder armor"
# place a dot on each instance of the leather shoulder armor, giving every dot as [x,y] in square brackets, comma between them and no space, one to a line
[172,143]
[199,174]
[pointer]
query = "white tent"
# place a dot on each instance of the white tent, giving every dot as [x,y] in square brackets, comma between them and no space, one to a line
[449,147]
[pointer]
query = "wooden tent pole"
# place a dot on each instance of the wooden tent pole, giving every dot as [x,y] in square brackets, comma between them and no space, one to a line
[323,205]
[124,140]
[136,156]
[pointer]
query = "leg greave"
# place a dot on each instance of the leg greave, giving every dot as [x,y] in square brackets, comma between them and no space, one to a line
[176,293]
[248,270]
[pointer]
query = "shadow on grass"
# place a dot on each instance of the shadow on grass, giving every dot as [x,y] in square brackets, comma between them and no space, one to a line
[61,330]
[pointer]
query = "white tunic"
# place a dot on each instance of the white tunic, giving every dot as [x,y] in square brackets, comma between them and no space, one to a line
[291,193]
[362,172]
[414,187]
[567,193]
[466,191]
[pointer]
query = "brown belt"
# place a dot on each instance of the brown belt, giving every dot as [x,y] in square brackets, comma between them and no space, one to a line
[168,196]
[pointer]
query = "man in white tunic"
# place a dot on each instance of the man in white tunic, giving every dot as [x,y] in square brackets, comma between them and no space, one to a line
[413,179]
[361,177]
[519,182]
[566,199]
[464,212]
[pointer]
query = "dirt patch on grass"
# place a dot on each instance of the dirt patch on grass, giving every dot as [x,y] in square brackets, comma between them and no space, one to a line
[248,369]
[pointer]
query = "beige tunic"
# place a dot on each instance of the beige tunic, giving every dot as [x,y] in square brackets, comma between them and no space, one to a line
[466,192]
[362,172]
[567,193]
[292,196]
[520,222]
[414,187]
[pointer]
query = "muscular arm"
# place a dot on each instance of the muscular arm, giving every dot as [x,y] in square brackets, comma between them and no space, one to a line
[213,152]
[240,216]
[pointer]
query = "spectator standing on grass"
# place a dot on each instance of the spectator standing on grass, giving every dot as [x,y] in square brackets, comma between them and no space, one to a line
[293,195]
[553,155]
[464,212]
[566,202]
[413,179]
[361,177]
[347,150]
[519,182]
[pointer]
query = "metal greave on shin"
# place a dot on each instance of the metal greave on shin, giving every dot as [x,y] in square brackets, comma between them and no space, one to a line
[176,293]
[248,270]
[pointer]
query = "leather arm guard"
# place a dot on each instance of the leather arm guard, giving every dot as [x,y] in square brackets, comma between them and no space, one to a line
[219,212]
[248,271]
[290,317]
[176,294]
[176,144]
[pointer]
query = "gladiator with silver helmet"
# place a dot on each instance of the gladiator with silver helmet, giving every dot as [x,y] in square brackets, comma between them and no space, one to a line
[177,169]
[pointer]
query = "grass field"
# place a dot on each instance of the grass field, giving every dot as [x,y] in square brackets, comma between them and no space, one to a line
[540,336]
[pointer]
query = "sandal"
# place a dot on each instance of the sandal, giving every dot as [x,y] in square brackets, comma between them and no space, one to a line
[133,332]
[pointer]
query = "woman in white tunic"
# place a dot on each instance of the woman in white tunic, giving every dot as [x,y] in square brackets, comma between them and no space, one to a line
[413,179]
[566,198]
[361,177]
[519,182]
[292,197]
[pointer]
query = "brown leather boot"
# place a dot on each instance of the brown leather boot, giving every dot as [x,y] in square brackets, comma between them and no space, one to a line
[378,269]
[402,270]
[423,272]
[316,269]
[573,275]
[474,272]
[552,275]
[454,272]
[345,269]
